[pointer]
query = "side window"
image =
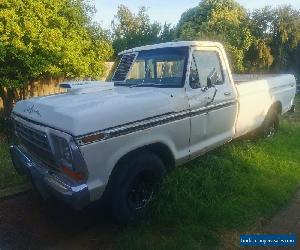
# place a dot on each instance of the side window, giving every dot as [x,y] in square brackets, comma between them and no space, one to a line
[194,75]
[205,62]
[137,70]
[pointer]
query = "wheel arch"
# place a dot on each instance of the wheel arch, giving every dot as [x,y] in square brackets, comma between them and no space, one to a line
[276,106]
[159,149]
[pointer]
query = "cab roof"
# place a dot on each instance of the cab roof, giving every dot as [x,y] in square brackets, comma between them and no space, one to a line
[173,45]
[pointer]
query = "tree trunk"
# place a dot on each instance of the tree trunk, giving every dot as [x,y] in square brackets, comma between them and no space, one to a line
[8,96]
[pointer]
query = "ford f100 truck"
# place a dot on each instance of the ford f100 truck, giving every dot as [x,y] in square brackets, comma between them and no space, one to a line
[165,105]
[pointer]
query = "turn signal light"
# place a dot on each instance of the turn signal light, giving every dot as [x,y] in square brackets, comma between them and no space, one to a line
[74,175]
[92,138]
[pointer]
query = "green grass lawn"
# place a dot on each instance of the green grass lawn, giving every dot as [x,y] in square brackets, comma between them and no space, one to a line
[8,176]
[231,189]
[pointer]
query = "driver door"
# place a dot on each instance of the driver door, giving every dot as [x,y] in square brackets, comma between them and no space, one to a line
[212,115]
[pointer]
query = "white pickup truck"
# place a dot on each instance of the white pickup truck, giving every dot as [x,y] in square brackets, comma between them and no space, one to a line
[165,105]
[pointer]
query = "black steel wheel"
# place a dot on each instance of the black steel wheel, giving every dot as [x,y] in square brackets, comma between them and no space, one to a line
[133,186]
[271,125]
[141,190]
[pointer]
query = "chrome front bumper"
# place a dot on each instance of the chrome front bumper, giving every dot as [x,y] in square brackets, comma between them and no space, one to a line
[47,182]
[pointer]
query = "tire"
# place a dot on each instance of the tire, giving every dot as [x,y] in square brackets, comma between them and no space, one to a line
[133,186]
[271,125]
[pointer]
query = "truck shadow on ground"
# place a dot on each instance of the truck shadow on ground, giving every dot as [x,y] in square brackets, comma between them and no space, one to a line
[28,223]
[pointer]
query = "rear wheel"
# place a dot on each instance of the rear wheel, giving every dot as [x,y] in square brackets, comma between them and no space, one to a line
[271,125]
[134,185]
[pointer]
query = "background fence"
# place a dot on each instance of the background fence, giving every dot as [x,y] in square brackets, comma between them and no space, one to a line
[49,86]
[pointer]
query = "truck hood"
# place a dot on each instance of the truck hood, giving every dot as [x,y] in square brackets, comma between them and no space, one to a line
[85,112]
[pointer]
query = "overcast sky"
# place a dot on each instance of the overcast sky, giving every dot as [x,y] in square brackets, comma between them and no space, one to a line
[169,10]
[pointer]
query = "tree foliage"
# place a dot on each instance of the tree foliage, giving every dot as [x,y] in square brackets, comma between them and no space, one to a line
[264,40]
[131,30]
[41,38]
[285,38]
[221,20]
[280,29]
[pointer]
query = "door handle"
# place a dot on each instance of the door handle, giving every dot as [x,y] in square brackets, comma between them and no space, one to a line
[227,94]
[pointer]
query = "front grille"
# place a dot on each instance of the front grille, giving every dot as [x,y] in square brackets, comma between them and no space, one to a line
[36,142]
[35,137]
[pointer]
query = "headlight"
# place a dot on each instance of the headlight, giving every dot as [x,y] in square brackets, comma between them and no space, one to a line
[65,151]
[68,156]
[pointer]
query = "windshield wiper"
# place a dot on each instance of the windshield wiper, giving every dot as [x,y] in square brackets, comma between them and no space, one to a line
[120,83]
[136,85]
[141,84]
[146,85]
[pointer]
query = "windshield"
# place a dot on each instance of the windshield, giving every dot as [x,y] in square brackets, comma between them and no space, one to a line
[160,67]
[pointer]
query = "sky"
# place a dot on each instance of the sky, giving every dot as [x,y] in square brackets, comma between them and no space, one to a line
[168,10]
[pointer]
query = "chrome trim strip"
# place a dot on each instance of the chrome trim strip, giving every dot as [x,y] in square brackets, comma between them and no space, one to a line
[152,122]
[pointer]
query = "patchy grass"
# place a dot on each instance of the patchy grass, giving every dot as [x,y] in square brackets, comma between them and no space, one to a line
[229,189]
[8,176]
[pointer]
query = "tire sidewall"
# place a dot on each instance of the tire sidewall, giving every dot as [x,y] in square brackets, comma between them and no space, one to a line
[271,119]
[121,182]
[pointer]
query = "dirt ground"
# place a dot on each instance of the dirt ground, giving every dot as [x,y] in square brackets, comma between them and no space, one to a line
[286,221]
[28,223]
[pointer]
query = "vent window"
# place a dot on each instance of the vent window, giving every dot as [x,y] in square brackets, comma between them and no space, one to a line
[123,67]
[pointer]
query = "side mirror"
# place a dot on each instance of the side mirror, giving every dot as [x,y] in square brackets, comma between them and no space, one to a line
[212,78]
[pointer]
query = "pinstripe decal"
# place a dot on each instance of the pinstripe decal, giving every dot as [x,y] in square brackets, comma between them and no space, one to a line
[152,122]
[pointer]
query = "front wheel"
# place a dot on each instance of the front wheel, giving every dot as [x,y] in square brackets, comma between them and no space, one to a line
[134,185]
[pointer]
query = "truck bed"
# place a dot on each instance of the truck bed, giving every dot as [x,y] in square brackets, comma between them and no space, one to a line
[256,93]
[242,78]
